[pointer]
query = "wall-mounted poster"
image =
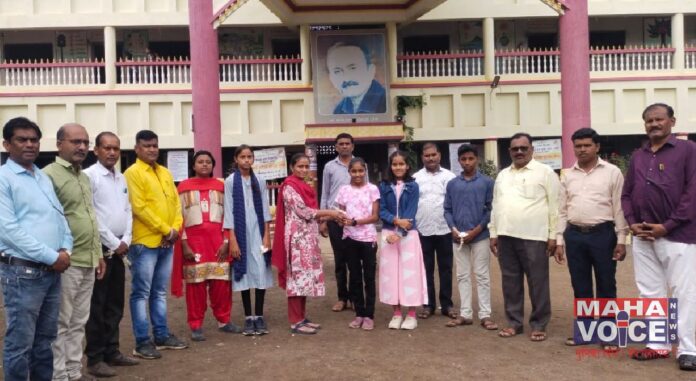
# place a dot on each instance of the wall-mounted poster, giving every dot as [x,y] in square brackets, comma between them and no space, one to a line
[471,35]
[71,45]
[548,151]
[243,43]
[350,76]
[657,31]
[136,44]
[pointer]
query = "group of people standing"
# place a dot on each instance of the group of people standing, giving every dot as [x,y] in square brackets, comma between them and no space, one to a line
[67,235]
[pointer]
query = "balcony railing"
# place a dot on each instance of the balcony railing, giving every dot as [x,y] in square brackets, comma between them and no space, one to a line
[630,59]
[51,73]
[440,64]
[527,61]
[690,57]
[159,71]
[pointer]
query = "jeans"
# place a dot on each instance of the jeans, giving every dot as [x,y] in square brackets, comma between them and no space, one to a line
[32,300]
[151,269]
[340,259]
[438,247]
[588,253]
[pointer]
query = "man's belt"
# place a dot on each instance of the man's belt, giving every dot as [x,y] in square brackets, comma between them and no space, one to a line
[14,261]
[591,228]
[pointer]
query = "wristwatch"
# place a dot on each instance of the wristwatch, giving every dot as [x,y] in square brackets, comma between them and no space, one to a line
[354,223]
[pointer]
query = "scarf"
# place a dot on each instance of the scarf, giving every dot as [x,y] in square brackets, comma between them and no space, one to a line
[192,184]
[280,256]
[239,215]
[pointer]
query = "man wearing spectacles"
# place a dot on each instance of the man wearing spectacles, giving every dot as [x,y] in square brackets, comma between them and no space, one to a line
[74,191]
[523,235]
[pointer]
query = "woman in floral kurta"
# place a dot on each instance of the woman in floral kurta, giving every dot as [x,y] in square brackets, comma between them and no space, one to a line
[296,247]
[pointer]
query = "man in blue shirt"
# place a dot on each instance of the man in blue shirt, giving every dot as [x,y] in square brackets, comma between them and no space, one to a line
[35,244]
[468,200]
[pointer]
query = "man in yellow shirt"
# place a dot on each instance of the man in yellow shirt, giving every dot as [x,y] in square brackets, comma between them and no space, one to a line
[156,222]
[523,235]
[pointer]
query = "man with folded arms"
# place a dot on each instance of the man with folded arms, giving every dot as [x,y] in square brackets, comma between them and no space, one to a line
[591,226]
[658,202]
[35,244]
[110,196]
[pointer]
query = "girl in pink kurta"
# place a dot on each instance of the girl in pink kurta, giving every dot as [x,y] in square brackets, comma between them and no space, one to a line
[401,270]
[296,252]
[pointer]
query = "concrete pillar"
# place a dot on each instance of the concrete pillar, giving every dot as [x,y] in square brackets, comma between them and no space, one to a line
[489,48]
[205,83]
[392,47]
[575,74]
[311,152]
[490,150]
[678,41]
[110,56]
[305,54]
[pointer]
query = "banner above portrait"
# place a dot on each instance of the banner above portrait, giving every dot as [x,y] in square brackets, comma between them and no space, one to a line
[351,81]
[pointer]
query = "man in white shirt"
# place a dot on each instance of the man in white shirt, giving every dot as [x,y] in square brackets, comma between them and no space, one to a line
[523,235]
[110,196]
[435,235]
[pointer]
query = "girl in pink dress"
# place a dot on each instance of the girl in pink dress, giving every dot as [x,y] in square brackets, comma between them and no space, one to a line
[360,201]
[401,270]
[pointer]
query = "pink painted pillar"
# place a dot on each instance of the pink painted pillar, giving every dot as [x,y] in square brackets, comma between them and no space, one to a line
[205,81]
[575,74]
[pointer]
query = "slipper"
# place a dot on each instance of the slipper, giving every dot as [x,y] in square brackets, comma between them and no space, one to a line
[537,336]
[425,313]
[339,306]
[302,329]
[489,324]
[311,324]
[570,342]
[508,332]
[459,320]
[649,354]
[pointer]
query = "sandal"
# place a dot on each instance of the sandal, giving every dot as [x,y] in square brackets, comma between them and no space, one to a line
[425,313]
[310,324]
[508,332]
[459,320]
[489,324]
[537,336]
[339,306]
[452,314]
[609,347]
[649,354]
[687,362]
[570,342]
[302,328]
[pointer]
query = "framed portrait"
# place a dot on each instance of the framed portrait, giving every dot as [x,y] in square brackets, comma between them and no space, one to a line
[351,82]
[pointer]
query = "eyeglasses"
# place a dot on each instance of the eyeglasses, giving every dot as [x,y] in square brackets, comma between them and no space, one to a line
[522,149]
[77,142]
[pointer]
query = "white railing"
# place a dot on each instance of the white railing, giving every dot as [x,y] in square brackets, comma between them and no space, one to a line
[145,71]
[690,57]
[527,61]
[260,69]
[630,58]
[51,73]
[440,64]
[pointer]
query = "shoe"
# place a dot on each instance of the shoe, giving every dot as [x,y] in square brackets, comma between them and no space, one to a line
[101,370]
[687,362]
[395,322]
[230,328]
[147,351]
[122,360]
[368,324]
[171,342]
[249,327]
[409,323]
[197,335]
[356,323]
[261,327]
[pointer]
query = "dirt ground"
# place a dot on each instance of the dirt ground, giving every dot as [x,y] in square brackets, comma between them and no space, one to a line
[431,352]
